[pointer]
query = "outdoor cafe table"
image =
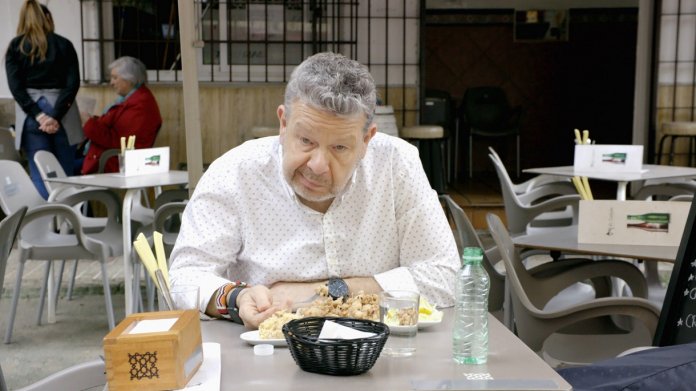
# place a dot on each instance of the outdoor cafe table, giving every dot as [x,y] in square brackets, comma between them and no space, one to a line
[132,185]
[511,365]
[565,240]
[650,171]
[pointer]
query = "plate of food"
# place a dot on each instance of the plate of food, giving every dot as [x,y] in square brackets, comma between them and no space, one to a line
[428,315]
[253,338]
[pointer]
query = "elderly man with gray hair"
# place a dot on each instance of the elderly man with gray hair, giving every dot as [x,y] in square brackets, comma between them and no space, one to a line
[328,201]
[134,113]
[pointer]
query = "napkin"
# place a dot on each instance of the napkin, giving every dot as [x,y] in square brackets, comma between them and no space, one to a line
[207,377]
[333,330]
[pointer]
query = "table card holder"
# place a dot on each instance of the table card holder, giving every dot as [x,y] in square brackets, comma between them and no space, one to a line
[608,158]
[153,351]
[145,161]
[655,223]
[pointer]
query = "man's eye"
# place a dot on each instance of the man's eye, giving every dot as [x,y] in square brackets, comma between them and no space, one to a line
[341,148]
[305,141]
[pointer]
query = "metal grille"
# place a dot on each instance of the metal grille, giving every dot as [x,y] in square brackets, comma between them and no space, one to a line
[247,41]
[676,61]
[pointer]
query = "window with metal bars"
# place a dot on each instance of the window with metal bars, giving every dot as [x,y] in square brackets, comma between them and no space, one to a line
[676,61]
[245,41]
[240,40]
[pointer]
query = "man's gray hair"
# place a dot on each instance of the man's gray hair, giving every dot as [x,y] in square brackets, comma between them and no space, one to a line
[131,69]
[334,83]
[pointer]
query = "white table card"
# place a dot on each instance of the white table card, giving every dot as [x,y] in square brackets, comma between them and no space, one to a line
[608,158]
[654,223]
[146,161]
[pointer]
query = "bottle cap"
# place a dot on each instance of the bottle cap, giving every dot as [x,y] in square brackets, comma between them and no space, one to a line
[263,350]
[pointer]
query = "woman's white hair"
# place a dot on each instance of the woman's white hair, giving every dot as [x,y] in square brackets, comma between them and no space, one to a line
[131,69]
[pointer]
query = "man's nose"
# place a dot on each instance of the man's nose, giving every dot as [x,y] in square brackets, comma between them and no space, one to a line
[318,161]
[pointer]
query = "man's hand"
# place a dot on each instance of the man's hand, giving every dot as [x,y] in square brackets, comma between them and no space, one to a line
[257,304]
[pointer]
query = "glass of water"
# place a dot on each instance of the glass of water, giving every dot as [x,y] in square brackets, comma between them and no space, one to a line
[399,311]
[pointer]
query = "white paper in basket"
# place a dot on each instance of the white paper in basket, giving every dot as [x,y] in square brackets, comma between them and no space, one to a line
[333,330]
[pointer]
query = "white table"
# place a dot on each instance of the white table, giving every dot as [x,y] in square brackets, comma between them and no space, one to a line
[511,363]
[566,240]
[650,171]
[132,185]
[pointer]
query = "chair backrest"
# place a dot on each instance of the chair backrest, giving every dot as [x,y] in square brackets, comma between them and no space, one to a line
[523,300]
[48,167]
[163,214]
[16,188]
[437,109]
[84,376]
[486,108]
[516,219]
[519,210]
[466,236]
[7,146]
[677,191]
[9,227]
[105,156]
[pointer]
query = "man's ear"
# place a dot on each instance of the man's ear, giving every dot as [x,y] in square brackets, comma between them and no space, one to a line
[371,131]
[282,120]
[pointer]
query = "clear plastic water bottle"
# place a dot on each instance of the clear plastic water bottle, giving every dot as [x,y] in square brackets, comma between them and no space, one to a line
[470,332]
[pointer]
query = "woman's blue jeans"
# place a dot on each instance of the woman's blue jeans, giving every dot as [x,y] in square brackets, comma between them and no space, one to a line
[34,140]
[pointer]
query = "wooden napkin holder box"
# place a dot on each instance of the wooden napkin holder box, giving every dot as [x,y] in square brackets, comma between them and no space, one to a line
[158,360]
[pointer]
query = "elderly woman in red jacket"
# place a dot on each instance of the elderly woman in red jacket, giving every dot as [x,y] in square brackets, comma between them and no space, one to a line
[135,112]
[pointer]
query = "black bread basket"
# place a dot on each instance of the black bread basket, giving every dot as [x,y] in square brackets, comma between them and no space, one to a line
[340,357]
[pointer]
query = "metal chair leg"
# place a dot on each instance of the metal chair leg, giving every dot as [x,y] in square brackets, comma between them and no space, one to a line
[56,291]
[15,301]
[42,294]
[659,150]
[73,275]
[107,295]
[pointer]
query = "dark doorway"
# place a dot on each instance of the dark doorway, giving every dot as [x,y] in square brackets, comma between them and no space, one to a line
[585,82]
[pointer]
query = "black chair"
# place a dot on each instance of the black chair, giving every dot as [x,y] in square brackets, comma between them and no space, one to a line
[485,112]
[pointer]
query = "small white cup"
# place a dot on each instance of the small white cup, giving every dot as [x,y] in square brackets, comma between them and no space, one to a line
[185,297]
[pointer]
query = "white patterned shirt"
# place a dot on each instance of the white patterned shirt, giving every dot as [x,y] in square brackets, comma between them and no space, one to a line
[244,222]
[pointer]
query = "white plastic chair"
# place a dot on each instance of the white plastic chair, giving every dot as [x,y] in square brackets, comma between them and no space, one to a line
[7,146]
[564,336]
[49,167]
[90,375]
[548,206]
[8,232]
[41,239]
[539,180]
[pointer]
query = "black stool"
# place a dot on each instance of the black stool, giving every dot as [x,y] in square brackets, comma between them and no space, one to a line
[430,141]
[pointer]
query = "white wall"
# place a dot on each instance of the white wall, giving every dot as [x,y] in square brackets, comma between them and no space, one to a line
[66,15]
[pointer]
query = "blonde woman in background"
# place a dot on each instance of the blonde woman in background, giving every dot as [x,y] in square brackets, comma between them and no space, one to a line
[44,77]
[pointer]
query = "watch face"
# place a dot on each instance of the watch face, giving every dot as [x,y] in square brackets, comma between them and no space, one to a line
[338,288]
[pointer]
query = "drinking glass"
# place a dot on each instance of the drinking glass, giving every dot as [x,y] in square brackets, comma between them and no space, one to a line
[185,297]
[399,311]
